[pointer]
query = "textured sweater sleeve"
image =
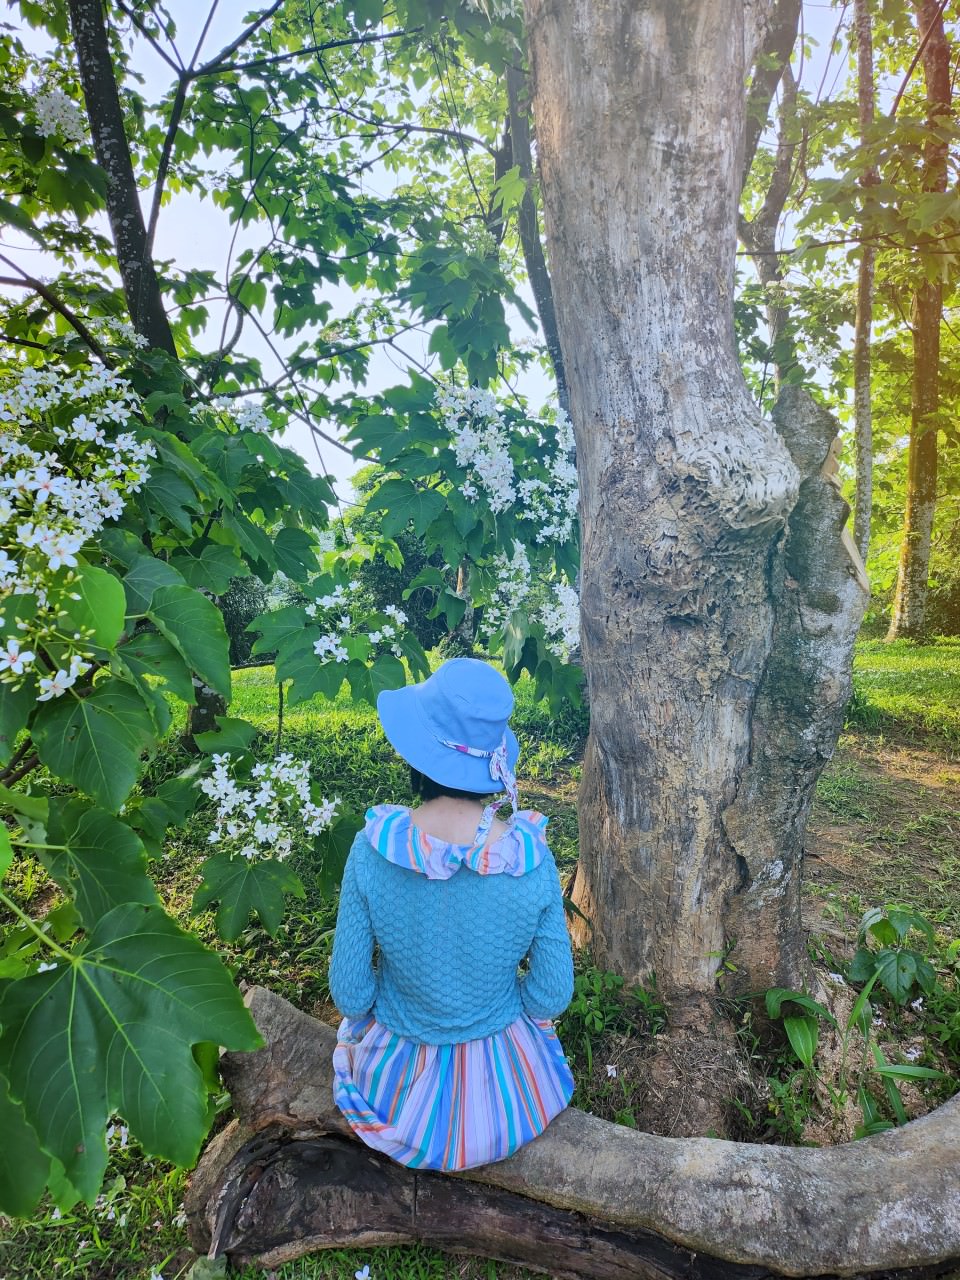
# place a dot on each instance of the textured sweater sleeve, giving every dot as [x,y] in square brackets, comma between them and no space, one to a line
[353,979]
[547,988]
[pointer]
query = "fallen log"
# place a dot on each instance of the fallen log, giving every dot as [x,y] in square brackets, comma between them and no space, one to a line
[588,1199]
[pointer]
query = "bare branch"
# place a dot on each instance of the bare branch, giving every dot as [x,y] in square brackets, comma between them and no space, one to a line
[229,50]
[217,68]
[774,55]
[25,281]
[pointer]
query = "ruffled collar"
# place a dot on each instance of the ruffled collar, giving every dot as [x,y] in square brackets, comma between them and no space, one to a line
[391,830]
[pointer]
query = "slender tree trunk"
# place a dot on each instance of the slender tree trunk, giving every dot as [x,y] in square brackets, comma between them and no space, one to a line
[760,234]
[862,415]
[134,260]
[910,600]
[135,263]
[693,593]
[528,223]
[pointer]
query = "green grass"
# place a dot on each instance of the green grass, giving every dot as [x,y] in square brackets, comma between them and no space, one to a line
[911,688]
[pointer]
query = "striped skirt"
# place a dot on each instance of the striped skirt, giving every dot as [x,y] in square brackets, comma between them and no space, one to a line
[449,1106]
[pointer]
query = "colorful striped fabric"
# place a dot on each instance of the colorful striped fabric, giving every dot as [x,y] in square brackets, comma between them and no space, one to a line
[392,832]
[449,1106]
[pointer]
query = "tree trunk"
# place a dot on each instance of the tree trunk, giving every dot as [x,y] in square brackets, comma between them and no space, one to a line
[910,600]
[134,260]
[586,1199]
[760,234]
[862,415]
[691,588]
[135,263]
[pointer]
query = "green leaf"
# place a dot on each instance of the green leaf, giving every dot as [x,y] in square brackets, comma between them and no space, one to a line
[12,215]
[907,1071]
[515,634]
[861,1013]
[104,863]
[23,1165]
[31,812]
[276,626]
[412,650]
[863,965]
[151,654]
[146,577]
[365,11]
[777,997]
[233,735]
[111,1031]
[194,626]
[387,673]
[296,554]
[245,887]
[897,971]
[403,504]
[213,569]
[101,607]
[174,801]
[6,851]
[803,1034]
[96,742]
[170,494]
[307,674]
[15,708]
[333,845]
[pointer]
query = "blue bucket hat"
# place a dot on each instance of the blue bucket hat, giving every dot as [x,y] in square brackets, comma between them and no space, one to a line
[453,727]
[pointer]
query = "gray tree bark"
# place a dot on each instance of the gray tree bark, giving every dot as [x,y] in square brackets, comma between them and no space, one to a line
[694,589]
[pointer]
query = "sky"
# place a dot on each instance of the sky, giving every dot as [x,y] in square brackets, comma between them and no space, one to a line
[193,232]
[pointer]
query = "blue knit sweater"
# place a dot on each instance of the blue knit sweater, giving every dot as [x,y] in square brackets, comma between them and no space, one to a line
[449,949]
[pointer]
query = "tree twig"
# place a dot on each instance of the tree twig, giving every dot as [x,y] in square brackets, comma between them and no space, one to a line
[37,286]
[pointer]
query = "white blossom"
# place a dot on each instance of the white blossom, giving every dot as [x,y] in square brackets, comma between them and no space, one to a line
[56,113]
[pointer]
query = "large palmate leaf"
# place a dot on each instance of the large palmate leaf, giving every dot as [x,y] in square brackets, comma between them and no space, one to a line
[99,605]
[331,847]
[244,887]
[23,1165]
[15,708]
[213,568]
[145,576]
[277,625]
[102,863]
[96,742]
[111,1030]
[194,626]
[296,554]
[152,654]
[402,502]
[298,663]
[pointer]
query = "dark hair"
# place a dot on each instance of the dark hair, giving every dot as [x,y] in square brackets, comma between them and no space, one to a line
[427,789]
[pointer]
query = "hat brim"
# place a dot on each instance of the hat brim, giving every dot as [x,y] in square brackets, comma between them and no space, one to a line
[407,731]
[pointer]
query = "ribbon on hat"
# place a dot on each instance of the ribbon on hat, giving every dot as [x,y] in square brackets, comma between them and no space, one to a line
[500,771]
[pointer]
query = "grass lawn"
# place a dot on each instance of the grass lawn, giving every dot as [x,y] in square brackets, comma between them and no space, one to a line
[886,828]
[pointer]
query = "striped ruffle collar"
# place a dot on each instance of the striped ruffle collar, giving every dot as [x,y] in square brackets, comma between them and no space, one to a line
[391,831]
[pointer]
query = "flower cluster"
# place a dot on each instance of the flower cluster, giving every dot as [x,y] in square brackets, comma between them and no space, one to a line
[68,462]
[247,415]
[57,113]
[480,444]
[552,504]
[561,620]
[265,818]
[341,624]
[511,589]
[544,491]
